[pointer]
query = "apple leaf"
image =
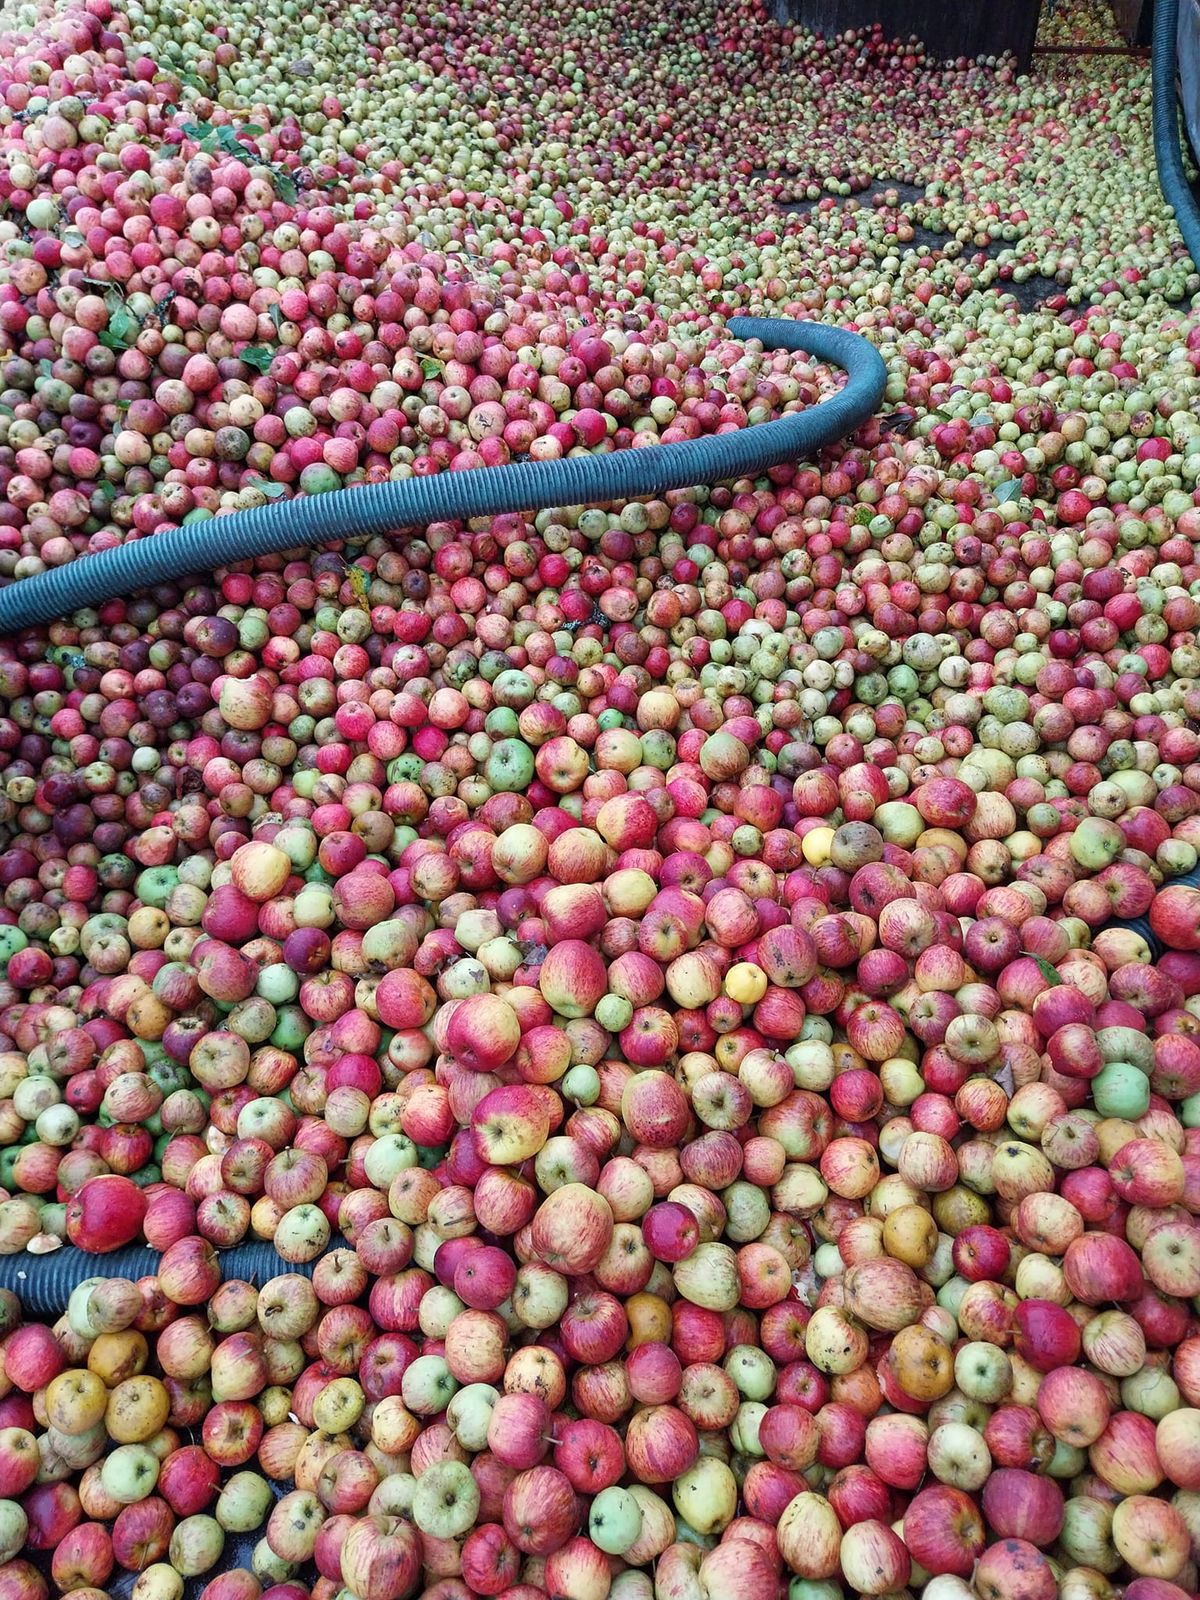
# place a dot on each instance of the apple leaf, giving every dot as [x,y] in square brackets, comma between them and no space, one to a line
[431,367]
[257,356]
[1010,489]
[1044,967]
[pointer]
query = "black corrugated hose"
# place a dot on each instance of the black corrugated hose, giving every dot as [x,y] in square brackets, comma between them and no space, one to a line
[1168,154]
[43,1284]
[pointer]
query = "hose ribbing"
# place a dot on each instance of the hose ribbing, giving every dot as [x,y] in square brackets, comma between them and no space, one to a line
[43,1284]
[1167,151]
[377,508]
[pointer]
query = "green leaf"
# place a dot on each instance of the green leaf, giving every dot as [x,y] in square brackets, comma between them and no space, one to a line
[257,356]
[123,326]
[1046,970]
[46,367]
[251,130]
[276,316]
[284,187]
[197,130]
[431,367]
[272,490]
[1010,489]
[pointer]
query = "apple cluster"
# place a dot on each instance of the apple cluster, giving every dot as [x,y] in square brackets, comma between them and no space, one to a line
[701,995]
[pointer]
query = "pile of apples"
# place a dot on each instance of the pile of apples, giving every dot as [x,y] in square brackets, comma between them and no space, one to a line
[694,993]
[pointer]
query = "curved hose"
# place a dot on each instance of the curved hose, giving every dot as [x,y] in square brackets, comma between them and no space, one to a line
[1167,152]
[43,1284]
[376,508]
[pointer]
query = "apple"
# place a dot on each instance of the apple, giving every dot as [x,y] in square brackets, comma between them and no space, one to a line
[517,1429]
[293,1525]
[33,1356]
[671,1231]
[1046,1336]
[1023,1505]
[983,1372]
[789,1436]
[660,1444]
[105,1213]
[959,1456]
[196,1545]
[614,1520]
[1177,1444]
[1151,1536]
[1014,1570]
[589,1453]
[511,1123]
[483,1032]
[141,1534]
[705,1495]
[130,1473]
[490,1561]
[1171,1257]
[571,1229]
[884,1293]
[944,1530]
[245,1500]
[540,1511]
[19,1460]
[810,1537]
[1074,1404]
[188,1480]
[381,1559]
[1124,1455]
[446,1500]
[14,1527]
[1100,1267]
[573,977]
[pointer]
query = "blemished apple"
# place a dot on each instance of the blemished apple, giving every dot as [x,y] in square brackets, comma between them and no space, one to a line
[446,1500]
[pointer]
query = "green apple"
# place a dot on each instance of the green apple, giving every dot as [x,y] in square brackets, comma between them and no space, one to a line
[244,1502]
[469,1414]
[14,1525]
[446,1500]
[130,1473]
[614,1521]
